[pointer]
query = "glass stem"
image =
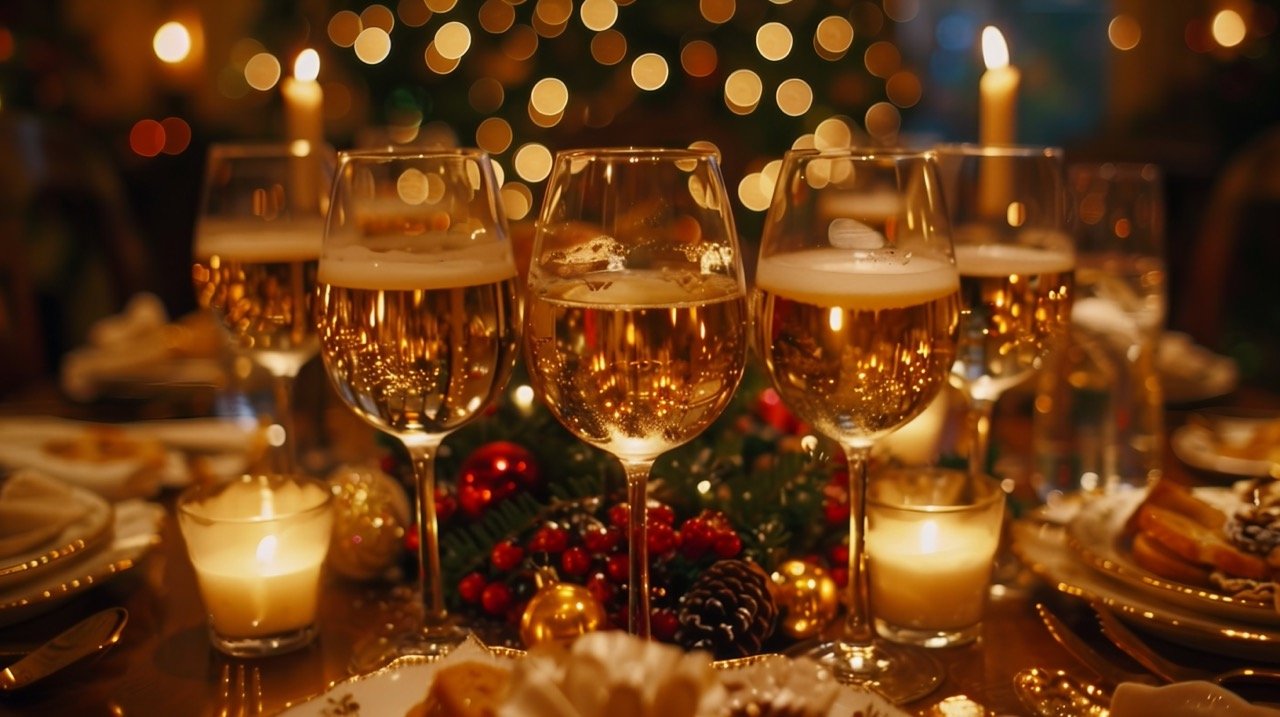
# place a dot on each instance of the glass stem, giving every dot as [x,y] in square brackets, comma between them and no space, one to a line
[638,550]
[979,420]
[422,451]
[286,452]
[858,630]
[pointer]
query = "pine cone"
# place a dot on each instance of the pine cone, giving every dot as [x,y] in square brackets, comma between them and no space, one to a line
[728,611]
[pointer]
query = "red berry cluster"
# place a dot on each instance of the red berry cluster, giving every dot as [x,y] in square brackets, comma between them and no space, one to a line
[592,551]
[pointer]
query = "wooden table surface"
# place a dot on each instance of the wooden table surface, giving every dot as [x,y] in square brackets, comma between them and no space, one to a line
[164,664]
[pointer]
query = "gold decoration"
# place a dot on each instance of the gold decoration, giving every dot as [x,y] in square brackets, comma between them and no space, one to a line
[370,516]
[560,612]
[807,598]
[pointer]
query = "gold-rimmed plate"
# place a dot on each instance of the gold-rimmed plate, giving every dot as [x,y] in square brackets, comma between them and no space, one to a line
[135,529]
[87,533]
[403,684]
[1042,547]
[1096,535]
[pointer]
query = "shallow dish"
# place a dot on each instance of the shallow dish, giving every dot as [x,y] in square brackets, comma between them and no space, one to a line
[1190,373]
[1198,446]
[134,530]
[1096,536]
[1042,547]
[392,690]
[86,534]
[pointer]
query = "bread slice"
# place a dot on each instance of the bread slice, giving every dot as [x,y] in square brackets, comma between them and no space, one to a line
[1197,543]
[1179,499]
[1158,560]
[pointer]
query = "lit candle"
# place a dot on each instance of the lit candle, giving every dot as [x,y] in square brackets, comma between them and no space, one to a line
[257,546]
[997,118]
[304,101]
[918,442]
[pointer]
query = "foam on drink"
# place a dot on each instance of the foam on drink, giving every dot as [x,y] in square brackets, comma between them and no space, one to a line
[884,279]
[259,242]
[1007,259]
[358,267]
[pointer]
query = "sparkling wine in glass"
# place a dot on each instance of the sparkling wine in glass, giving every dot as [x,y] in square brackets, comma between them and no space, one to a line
[856,308]
[256,249]
[419,321]
[1017,264]
[636,330]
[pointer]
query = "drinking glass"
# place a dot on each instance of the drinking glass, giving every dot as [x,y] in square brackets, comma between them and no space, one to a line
[636,333]
[257,245]
[419,322]
[1016,259]
[856,312]
[1116,322]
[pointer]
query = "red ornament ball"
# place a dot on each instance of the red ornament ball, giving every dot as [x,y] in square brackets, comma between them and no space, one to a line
[471,587]
[494,472]
[575,561]
[506,555]
[496,598]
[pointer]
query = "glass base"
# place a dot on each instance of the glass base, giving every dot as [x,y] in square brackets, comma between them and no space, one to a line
[928,638]
[434,641]
[264,646]
[899,673]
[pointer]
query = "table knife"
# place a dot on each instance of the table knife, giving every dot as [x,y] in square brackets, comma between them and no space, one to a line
[92,634]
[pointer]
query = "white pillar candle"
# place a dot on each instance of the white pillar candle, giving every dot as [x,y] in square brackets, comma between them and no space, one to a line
[304,128]
[997,120]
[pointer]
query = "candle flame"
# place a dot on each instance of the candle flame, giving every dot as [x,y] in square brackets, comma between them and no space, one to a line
[995,52]
[266,552]
[307,67]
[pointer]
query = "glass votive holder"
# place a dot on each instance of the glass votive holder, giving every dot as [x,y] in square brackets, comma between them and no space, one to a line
[257,544]
[931,543]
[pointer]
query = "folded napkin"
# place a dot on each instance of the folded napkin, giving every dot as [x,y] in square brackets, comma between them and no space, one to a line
[1182,699]
[141,345]
[126,460]
[34,509]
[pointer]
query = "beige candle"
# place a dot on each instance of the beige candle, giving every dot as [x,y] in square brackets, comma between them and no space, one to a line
[304,125]
[997,119]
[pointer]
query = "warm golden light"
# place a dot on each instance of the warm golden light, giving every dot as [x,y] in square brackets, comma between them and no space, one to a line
[146,139]
[494,135]
[649,71]
[717,11]
[262,71]
[549,96]
[1228,28]
[698,58]
[307,66]
[598,15]
[517,200]
[486,95]
[411,186]
[533,162]
[441,6]
[995,52]
[902,10]
[452,40]
[1124,32]
[438,63]
[413,13]
[832,133]
[742,90]
[379,16]
[520,43]
[903,88]
[496,16]
[344,28]
[773,41]
[373,45]
[833,37]
[794,97]
[553,12]
[750,194]
[882,58]
[609,47]
[172,42]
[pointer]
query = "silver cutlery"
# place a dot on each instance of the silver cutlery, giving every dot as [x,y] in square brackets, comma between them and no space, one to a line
[1054,693]
[87,637]
[1144,654]
[1106,669]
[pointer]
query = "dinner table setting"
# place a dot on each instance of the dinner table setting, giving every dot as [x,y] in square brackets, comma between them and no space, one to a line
[936,457]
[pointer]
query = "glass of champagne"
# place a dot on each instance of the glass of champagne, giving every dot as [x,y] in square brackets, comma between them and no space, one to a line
[856,309]
[1017,259]
[636,330]
[419,322]
[257,245]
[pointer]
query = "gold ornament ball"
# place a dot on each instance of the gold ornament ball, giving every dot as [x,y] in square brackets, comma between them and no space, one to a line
[559,613]
[370,517]
[806,596]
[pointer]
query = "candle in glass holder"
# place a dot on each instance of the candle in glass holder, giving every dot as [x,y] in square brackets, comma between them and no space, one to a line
[931,544]
[257,545]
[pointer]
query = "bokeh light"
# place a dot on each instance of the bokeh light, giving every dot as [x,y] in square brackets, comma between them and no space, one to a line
[344,28]
[742,90]
[520,42]
[379,16]
[549,96]
[496,16]
[833,37]
[1228,28]
[262,71]
[698,58]
[883,121]
[649,71]
[177,135]
[902,10]
[372,45]
[904,88]
[441,6]
[494,135]
[717,11]
[750,194]
[438,63]
[413,13]
[609,47]
[794,97]
[533,162]
[452,40]
[172,42]
[517,200]
[553,12]
[146,139]
[832,133]
[883,59]
[773,41]
[1124,32]
[598,15]
[486,95]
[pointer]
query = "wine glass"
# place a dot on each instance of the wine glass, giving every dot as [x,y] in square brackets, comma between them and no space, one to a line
[256,248]
[419,322]
[856,311]
[636,331]
[1120,305]
[1016,259]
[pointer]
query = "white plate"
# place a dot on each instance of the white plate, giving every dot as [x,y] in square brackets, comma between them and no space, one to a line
[1197,446]
[1096,536]
[135,529]
[394,689]
[1042,547]
[1190,373]
[85,535]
